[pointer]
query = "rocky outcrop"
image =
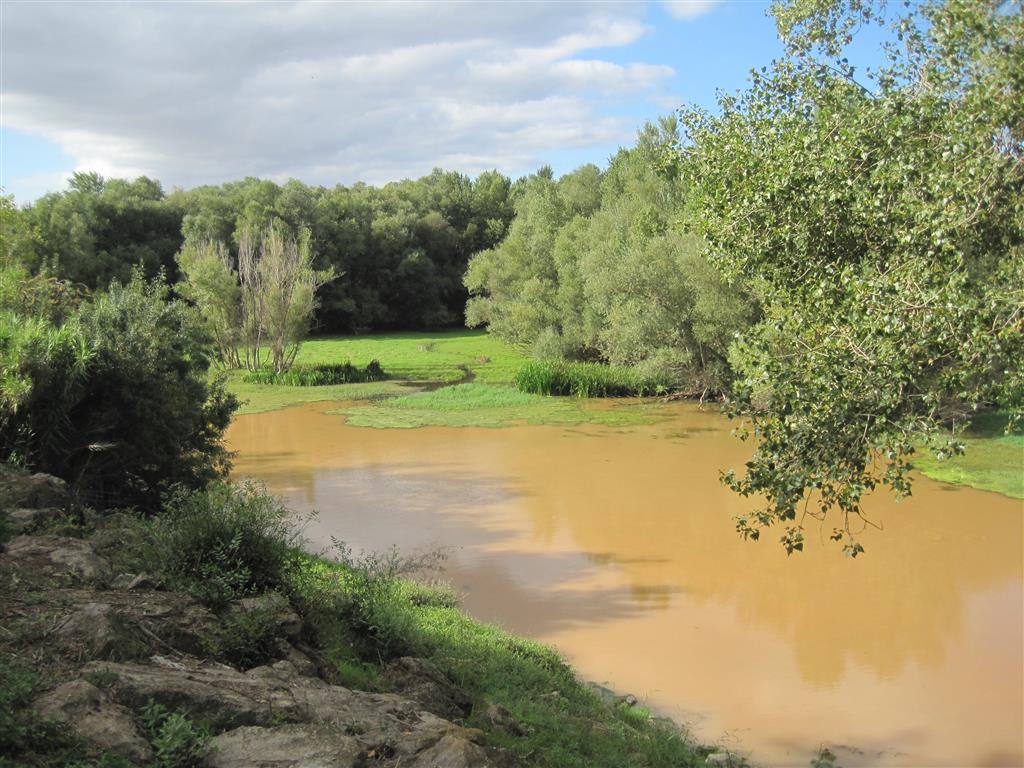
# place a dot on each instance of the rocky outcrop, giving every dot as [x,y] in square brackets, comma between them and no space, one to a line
[272,715]
[122,645]
[22,490]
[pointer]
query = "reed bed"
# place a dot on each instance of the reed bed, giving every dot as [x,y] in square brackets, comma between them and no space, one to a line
[318,375]
[584,380]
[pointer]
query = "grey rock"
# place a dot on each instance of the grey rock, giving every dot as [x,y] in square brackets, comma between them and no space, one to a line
[285,746]
[452,751]
[83,707]
[213,693]
[423,682]
[70,559]
[609,696]
[122,580]
[270,695]
[98,631]
[38,490]
[302,663]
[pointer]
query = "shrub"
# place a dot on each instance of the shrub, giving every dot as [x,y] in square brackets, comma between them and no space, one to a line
[222,543]
[551,377]
[116,400]
[317,375]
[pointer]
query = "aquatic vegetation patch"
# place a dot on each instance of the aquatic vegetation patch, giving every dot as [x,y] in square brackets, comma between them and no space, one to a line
[490,405]
[993,461]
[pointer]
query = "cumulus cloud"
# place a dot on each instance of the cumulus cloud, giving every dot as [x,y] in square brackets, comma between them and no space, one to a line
[325,92]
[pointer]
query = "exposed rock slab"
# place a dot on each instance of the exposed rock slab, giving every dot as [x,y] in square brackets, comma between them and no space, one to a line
[270,695]
[110,727]
[19,489]
[285,746]
[452,751]
[68,560]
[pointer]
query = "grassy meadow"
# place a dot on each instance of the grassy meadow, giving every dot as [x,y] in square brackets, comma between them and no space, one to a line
[478,372]
[408,358]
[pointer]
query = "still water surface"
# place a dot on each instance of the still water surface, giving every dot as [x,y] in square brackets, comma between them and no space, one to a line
[617,547]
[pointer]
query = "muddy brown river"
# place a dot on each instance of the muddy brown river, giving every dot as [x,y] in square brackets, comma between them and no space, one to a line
[617,547]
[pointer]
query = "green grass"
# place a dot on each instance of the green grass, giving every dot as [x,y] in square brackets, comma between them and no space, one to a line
[260,398]
[489,405]
[361,612]
[994,461]
[442,356]
[413,356]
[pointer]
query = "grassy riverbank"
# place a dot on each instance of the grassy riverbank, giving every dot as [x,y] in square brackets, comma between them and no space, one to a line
[226,579]
[491,405]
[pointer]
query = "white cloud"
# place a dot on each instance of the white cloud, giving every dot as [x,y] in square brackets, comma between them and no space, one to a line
[688,9]
[325,92]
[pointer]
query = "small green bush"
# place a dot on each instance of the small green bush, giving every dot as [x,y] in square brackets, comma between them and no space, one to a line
[223,543]
[554,377]
[177,741]
[317,375]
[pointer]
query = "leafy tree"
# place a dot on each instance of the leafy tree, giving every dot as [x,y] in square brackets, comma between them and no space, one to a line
[593,269]
[881,217]
[210,282]
[278,291]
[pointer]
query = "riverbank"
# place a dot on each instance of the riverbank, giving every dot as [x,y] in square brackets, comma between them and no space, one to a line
[206,637]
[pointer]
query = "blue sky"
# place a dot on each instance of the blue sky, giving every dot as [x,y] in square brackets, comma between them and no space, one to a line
[335,93]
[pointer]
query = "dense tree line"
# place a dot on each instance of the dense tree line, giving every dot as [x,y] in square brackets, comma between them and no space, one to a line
[601,265]
[402,248]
